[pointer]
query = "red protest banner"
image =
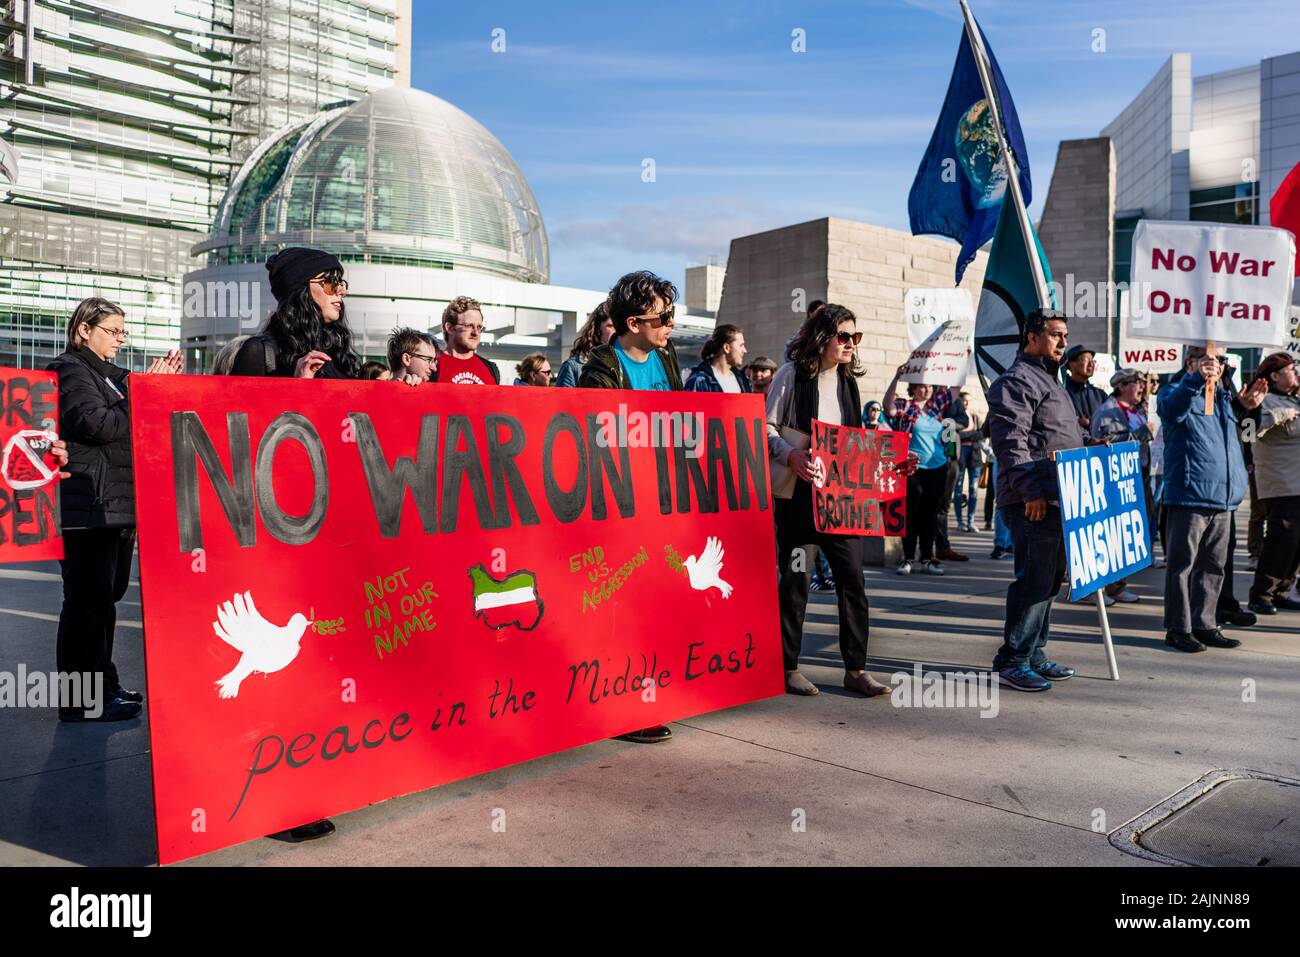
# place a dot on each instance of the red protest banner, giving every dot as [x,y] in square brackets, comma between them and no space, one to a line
[30,530]
[860,492]
[386,589]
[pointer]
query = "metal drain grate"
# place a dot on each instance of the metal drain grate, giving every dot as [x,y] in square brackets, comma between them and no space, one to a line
[1223,819]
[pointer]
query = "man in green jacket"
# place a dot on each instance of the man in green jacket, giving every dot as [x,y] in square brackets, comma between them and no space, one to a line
[639,356]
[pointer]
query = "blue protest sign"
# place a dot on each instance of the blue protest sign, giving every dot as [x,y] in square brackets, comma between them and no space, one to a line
[1103,515]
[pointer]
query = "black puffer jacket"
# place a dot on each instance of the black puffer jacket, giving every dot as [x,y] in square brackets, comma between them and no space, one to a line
[94,419]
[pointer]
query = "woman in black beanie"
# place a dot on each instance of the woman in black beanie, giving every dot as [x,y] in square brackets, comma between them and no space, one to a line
[307,337]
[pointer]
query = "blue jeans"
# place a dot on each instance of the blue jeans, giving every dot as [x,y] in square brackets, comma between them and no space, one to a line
[1001,534]
[1038,580]
[969,476]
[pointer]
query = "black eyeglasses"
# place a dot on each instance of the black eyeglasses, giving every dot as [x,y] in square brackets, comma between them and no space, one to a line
[844,338]
[662,319]
[421,355]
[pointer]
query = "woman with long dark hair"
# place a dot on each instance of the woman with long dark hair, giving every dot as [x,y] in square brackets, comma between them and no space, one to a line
[817,381]
[596,331]
[97,502]
[307,336]
[1277,478]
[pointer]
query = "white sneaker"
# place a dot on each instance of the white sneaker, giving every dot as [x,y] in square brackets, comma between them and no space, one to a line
[1107,600]
[1128,596]
[904,567]
[933,568]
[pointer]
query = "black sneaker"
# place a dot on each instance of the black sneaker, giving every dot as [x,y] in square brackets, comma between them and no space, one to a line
[117,709]
[1286,604]
[126,695]
[648,735]
[999,553]
[1182,641]
[1260,608]
[305,832]
[1214,639]
[1239,618]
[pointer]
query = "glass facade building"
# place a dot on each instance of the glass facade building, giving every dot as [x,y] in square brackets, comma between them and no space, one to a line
[128,119]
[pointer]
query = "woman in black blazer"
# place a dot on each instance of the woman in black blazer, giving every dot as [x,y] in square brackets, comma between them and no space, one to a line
[97,500]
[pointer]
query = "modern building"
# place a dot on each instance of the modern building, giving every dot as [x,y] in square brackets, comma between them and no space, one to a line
[1212,148]
[703,293]
[772,276]
[127,118]
[421,203]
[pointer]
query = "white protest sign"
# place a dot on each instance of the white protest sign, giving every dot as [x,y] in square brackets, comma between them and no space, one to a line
[1104,368]
[1154,356]
[943,359]
[1293,333]
[925,310]
[1199,282]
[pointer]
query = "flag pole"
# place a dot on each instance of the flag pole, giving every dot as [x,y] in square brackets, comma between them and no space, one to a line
[1031,245]
[1013,171]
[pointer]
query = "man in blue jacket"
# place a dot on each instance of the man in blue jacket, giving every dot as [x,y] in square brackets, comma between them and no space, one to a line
[1205,479]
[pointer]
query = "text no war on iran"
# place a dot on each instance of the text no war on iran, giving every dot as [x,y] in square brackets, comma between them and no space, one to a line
[1103,515]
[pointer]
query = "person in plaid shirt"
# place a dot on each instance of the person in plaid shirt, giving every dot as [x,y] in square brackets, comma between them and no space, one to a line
[922,416]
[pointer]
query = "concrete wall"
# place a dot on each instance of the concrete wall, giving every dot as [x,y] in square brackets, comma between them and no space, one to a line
[866,268]
[1077,233]
[1279,124]
[1152,139]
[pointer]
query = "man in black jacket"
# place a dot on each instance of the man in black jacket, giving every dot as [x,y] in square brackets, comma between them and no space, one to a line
[639,356]
[1031,417]
[1081,363]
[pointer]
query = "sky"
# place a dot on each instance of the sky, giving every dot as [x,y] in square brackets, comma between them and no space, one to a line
[747,134]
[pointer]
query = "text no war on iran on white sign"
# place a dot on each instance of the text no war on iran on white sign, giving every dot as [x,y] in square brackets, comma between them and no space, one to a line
[1103,515]
[1197,282]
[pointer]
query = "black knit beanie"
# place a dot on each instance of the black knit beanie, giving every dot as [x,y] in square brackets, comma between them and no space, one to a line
[290,269]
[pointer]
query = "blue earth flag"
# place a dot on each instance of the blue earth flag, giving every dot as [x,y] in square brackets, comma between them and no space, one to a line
[959,186]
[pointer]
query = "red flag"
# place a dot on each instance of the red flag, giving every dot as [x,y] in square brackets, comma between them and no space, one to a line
[1284,208]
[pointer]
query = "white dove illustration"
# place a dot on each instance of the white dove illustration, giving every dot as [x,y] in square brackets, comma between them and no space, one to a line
[705,571]
[265,647]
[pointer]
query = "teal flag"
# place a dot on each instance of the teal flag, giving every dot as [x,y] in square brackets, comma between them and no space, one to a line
[1008,295]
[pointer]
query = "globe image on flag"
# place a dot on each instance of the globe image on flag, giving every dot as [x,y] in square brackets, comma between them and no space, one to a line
[512,600]
[977,148]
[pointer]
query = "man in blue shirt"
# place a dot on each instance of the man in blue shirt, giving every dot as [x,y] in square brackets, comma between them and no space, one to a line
[639,356]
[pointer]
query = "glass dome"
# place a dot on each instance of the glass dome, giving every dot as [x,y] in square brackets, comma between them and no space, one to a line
[400,176]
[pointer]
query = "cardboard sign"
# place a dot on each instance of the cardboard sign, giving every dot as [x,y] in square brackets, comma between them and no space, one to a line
[1292,344]
[1103,369]
[1152,356]
[1196,282]
[860,492]
[925,311]
[354,591]
[944,358]
[1103,515]
[30,528]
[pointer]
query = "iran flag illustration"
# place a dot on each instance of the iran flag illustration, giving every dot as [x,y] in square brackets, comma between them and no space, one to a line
[510,601]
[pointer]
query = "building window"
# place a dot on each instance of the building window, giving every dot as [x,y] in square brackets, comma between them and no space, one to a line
[1237,204]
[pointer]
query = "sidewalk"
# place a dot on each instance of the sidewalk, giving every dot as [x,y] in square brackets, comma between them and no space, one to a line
[876,784]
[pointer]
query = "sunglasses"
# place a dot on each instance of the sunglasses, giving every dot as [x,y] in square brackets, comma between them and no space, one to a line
[333,287]
[663,319]
[845,338]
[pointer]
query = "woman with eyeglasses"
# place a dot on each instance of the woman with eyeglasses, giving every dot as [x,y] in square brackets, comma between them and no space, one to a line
[922,415]
[97,500]
[307,336]
[535,369]
[817,381]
